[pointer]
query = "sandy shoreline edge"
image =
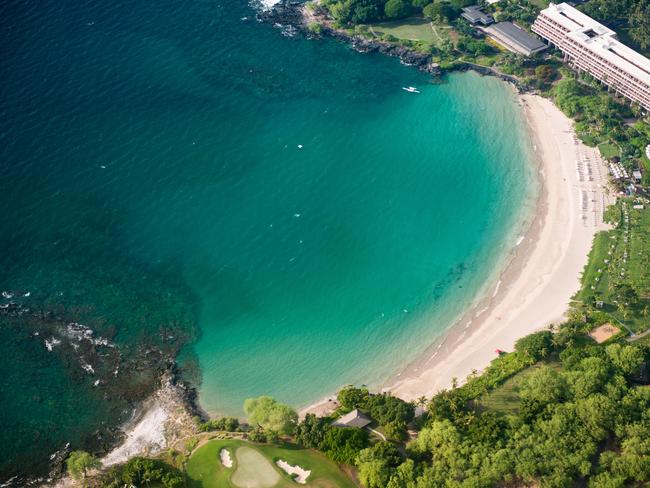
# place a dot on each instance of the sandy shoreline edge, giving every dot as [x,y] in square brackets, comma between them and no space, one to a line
[535,282]
[543,272]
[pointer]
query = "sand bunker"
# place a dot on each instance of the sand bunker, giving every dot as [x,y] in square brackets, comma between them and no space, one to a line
[253,470]
[226,460]
[603,332]
[301,474]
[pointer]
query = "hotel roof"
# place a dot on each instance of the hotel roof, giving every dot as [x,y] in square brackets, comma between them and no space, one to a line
[475,14]
[519,37]
[599,39]
[353,419]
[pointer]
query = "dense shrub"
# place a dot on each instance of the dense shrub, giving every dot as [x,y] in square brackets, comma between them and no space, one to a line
[536,346]
[344,444]
[144,472]
[310,433]
[352,397]
[228,424]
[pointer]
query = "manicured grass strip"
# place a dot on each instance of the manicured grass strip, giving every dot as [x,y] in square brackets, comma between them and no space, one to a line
[324,473]
[609,151]
[413,29]
[504,399]
[628,263]
[204,468]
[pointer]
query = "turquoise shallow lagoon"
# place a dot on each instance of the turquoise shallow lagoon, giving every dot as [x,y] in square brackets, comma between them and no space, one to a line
[347,257]
[165,137]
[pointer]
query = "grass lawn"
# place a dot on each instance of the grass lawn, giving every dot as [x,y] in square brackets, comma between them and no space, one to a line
[646,166]
[254,466]
[541,4]
[609,151]
[411,29]
[505,398]
[628,262]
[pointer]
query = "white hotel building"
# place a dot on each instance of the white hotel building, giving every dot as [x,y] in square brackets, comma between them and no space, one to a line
[591,47]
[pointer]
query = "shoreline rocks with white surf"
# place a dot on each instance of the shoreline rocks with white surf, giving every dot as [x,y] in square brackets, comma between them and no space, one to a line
[126,379]
[295,14]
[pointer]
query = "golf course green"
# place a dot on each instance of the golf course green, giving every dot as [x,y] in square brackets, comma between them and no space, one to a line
[254,466]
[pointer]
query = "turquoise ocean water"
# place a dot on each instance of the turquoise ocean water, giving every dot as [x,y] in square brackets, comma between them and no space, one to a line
[322,224]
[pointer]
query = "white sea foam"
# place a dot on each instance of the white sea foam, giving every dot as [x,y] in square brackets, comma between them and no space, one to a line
[87,367]
[263,4]
[51,342]
[496,289]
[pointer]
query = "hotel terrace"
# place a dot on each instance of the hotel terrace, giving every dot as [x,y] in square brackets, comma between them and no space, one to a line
[591,47]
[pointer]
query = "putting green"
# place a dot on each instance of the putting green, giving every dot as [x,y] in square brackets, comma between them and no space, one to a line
[254,466]
[253,470]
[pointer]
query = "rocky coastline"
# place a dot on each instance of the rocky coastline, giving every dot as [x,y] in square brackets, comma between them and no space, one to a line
[294,17]
[130,381]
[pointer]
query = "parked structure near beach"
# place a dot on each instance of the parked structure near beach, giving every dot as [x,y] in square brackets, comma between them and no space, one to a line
[593,48]
[515,38]
[353,419]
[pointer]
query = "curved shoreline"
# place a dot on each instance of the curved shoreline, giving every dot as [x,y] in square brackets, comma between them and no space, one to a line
[535,287]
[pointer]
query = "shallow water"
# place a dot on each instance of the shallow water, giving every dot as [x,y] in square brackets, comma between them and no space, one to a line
[164,137]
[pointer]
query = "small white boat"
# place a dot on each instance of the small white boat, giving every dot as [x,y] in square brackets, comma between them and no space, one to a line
[410,89]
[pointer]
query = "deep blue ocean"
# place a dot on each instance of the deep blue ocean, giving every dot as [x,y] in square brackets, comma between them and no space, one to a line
[281,203]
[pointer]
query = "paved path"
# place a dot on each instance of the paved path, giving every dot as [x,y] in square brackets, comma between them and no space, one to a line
[376,432]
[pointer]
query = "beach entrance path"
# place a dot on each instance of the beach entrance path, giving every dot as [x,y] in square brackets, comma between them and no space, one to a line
[253,470]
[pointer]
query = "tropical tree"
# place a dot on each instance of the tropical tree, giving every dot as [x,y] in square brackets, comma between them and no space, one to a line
[352,397]
[640,24]
[79,462]
[311,432]
[272,416]
[537,346]
[397,9]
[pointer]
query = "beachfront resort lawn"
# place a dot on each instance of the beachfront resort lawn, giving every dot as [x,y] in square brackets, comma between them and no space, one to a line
[618,271]
[411,29]
[254,466]
[609,151]
[504,399]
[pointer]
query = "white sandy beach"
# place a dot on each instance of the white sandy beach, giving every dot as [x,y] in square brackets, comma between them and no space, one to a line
[535,289]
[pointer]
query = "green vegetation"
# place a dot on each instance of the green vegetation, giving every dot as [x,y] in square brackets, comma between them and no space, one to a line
[609,151]
[204,469]
[581,418]
[411,29]
[145,473]
[226,424]
[504,399]
[273,417]
[79,463]
[631,15]
[601,120]
[342,445]
[618,271]
[391,413]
